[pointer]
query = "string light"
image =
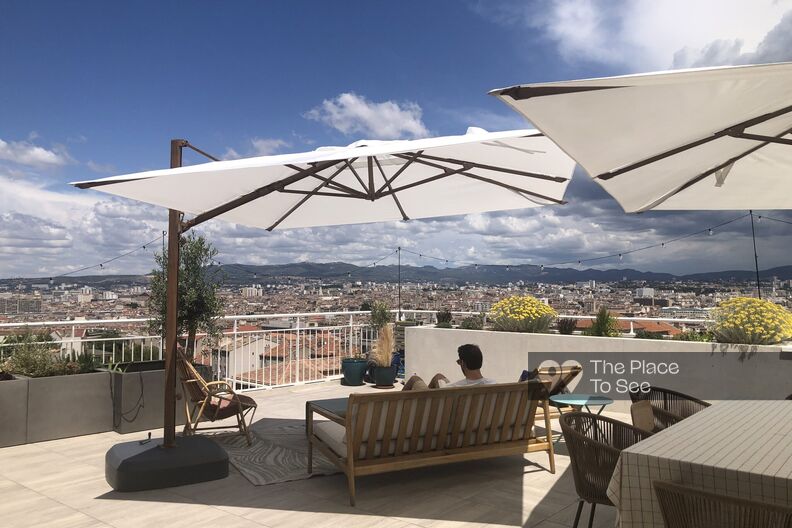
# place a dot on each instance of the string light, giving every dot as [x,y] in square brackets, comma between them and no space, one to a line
[710,232]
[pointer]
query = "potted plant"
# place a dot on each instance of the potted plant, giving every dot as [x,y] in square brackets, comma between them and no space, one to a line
[444,318]
[353,369]
[384,372]
[65,395]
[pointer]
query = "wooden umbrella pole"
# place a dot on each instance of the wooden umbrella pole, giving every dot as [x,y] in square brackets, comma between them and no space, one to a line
[172,307]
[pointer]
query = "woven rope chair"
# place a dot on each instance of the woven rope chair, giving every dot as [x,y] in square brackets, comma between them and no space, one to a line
[212,401]
[594,444]
[686,507]
[671,401]
[650,418]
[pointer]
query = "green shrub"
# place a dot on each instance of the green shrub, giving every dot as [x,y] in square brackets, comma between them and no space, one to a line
[444,324]
[643,334]
[604,325]
[566,325]
[33,359]
[704,336]
[521,313]
[750,321]
[474,322]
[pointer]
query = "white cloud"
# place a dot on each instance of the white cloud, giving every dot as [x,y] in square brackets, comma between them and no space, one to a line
[350,113]
[776,46]
[266,147]
[645,35]
[29,154]
[258,147]
[101,168]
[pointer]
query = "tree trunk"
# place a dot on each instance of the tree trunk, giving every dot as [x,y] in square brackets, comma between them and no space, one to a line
[191,343]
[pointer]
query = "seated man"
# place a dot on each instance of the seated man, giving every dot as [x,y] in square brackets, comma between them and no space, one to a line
[470,361]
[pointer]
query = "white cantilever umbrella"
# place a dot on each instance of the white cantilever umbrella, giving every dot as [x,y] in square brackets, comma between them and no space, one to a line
[703,139]
[368,181]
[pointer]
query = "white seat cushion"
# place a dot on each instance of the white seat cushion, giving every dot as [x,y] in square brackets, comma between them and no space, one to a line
[331,434]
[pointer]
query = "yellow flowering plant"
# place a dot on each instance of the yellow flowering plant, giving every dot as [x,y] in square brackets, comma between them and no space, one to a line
[521,313]
[750,321]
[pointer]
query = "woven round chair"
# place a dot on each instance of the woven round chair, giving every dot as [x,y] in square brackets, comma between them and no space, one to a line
[670,401]
[594,443]
[686,507]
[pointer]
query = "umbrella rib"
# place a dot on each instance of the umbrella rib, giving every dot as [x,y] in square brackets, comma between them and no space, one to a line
[395,198]
[512,188]
[335,185]
[730,131]
[255,195]
[758,137]
[305,198]
[334,195]
[484,166]
[398,172]
[448,172]
[709,172]
[462,171]
[370,178]
[357,176]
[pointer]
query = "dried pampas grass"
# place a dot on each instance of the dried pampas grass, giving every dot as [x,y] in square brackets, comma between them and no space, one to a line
[382,353]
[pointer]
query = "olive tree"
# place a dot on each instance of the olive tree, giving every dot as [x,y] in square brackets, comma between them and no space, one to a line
[200,305]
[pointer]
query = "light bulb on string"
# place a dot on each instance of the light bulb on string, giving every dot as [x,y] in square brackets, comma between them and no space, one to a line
[758,219]
[662,244]
[710,232]
[541,268]
[621,258]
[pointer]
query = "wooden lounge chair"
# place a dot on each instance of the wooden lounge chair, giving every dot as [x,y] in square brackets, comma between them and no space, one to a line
[595,443]
[212,401]
[687,507]
[649,418]
[671,401]
[557,379]
[392,431]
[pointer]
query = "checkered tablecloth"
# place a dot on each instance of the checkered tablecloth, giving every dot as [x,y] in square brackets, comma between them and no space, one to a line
[739,448]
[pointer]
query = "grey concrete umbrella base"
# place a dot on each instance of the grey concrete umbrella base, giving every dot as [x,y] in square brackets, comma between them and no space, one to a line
[136,466]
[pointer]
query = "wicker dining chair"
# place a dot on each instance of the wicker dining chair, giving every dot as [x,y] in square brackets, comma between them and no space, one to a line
[650,418]
[687,507]
[594,443]
[671,401]
[212,401]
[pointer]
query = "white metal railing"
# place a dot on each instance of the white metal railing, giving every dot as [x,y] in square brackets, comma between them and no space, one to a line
[310,347]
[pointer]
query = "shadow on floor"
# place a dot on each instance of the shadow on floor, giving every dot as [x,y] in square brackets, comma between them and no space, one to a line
[494,491]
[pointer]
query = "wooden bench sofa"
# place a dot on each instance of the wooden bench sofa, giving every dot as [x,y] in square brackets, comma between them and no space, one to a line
[392,431]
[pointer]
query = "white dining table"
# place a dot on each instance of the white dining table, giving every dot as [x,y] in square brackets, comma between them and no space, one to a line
[736,448]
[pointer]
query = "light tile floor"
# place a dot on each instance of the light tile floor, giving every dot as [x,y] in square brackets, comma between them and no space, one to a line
[61,484]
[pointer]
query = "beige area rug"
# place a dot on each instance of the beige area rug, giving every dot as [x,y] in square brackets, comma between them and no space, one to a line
[279,452]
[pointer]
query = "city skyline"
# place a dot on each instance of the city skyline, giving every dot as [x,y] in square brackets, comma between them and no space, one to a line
[98,118]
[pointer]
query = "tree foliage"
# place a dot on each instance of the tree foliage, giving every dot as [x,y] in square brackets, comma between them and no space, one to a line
[200,305]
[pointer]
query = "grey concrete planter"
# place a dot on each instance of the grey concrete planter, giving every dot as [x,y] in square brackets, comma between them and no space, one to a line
[64,406]
[138,397]
[13,411]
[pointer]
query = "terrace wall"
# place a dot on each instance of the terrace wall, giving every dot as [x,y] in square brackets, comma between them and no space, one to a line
[711,371]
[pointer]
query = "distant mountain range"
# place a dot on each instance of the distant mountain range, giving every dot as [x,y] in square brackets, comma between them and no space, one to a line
[239,274]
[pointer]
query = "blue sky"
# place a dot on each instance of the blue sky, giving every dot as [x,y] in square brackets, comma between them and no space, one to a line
[89,89]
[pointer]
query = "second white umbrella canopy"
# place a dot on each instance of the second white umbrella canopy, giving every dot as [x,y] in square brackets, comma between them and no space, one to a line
[703,139]
[367,181]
